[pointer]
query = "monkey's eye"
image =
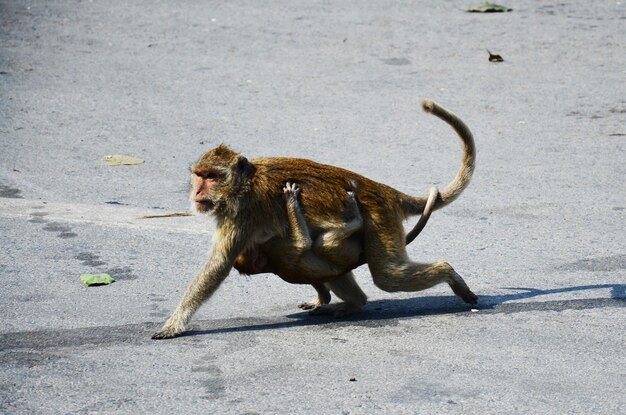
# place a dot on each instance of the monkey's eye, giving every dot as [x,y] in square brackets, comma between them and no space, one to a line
[209,174]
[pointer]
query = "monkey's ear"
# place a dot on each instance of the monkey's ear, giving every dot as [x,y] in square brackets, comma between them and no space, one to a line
[244,167]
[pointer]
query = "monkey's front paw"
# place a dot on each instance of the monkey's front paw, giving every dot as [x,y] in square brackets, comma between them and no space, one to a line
[166,333]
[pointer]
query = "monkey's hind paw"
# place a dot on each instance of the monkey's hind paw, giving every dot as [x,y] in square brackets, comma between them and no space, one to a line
[351,200]
[470,298]
[460,288]
[466,295]
[309,305]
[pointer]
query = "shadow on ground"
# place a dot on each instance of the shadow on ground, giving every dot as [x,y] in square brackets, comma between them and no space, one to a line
[375,314]
[380,312]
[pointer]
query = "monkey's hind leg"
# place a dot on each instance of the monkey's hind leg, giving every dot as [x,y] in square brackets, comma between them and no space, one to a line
[346,288]
[323,297]
[393,271]
[412,276]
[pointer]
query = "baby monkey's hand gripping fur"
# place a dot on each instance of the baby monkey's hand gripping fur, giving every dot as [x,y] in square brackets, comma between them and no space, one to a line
[246,198]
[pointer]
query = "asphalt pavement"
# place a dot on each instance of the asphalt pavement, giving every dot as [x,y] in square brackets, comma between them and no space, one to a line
[539,234]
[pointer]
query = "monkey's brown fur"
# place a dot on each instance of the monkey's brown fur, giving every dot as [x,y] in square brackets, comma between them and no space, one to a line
[246,200]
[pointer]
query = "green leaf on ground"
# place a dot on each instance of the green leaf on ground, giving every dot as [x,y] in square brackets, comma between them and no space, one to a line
[96,279]
[121,160]
[489,8]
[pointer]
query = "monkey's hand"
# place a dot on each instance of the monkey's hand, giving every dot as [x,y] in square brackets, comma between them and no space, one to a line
[291,192]
[164,334]
[172,328]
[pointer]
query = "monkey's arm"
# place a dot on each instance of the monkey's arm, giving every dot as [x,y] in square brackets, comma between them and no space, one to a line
[228,244]
[299,229]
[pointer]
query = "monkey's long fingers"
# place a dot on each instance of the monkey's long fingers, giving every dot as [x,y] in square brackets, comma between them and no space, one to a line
[291,188]
[164,334]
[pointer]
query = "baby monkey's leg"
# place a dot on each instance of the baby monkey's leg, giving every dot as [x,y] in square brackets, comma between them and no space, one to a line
[337,235]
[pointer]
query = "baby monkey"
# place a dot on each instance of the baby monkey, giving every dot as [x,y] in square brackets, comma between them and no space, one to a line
[330,247]
[322,254]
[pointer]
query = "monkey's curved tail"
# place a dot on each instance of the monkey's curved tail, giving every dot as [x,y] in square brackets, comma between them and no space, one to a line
[463,175]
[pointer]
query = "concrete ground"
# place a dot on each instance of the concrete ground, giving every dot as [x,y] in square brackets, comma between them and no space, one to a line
[539,235]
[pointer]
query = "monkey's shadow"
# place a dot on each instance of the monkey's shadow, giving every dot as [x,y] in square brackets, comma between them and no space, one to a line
[379,312]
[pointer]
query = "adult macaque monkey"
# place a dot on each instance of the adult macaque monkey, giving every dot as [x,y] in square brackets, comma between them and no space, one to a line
[246,198]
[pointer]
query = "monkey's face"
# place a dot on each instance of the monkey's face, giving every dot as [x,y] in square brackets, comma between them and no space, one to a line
[217,178]
[205,186]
